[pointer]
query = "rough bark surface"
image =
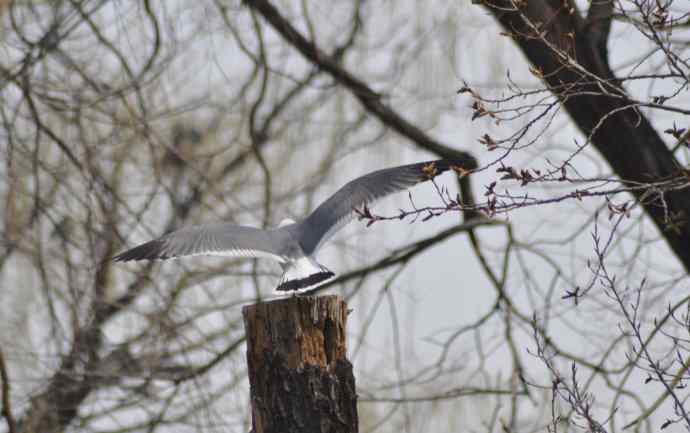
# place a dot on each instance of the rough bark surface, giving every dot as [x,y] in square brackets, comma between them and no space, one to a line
[299,376]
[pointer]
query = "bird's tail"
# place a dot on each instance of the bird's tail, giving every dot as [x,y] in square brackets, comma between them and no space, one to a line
[303,274]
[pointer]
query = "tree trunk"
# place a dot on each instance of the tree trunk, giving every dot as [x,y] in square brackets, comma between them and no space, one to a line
[621,133]
[301,381]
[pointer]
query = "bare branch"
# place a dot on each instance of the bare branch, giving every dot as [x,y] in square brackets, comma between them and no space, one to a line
[6,404]
[370,99]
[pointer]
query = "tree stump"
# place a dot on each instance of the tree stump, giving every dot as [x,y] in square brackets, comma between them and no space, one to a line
[301,381]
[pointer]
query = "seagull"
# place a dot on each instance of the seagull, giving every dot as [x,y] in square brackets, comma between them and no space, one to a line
[292,244]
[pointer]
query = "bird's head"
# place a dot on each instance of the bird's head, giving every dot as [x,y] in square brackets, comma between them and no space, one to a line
[286,222]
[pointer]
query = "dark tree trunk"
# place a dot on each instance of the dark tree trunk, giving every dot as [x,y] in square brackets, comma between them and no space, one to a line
[620,132]
[300,380]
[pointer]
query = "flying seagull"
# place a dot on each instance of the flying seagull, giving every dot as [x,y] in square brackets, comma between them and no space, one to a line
[292,244]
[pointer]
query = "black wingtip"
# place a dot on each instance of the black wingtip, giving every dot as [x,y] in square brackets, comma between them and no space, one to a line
[305,283]
[149,251]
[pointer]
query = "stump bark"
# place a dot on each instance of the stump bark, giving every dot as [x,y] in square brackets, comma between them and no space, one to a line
[301,381]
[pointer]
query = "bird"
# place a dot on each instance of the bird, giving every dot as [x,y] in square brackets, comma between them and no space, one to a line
[292,244]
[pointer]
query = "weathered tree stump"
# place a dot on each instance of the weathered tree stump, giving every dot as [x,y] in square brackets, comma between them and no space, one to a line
[301,381]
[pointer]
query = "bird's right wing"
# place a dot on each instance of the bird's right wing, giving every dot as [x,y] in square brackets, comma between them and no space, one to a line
[339,209]
[212,239]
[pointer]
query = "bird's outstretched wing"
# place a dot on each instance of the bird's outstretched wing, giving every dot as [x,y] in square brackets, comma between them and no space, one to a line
[338,210]
[212,239]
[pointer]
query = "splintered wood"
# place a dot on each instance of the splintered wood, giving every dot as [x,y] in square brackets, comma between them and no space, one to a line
[300,378]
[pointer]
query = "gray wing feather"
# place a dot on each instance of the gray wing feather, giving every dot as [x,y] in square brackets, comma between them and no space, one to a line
[212,239]
[338,210]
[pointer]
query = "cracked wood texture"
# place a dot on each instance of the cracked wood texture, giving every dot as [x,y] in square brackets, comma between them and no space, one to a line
[300,378]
